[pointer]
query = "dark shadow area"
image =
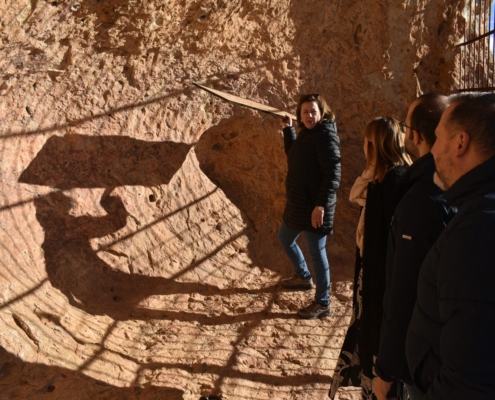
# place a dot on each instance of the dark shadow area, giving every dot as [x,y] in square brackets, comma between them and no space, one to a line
[90,283]
[24,380]
[72,265]
[298,380]
[79,161]
[215,319]
[244,157]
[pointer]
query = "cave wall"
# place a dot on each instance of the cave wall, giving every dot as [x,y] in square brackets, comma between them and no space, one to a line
[93,95]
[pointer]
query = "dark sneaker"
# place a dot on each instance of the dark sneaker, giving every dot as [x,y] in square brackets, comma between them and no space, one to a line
[314,310]
[297,283]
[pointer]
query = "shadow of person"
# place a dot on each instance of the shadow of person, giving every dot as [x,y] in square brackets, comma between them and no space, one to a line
[87,281]
[244,157]
[72,265]
[80,161]
[20,379]
[75,268]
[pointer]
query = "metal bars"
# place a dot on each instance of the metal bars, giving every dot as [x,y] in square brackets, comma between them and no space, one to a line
[476,66]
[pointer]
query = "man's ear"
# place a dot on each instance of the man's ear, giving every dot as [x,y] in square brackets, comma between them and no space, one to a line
[417,138]
[462,141]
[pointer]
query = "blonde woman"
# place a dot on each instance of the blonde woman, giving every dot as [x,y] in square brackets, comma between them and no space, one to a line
[386,163]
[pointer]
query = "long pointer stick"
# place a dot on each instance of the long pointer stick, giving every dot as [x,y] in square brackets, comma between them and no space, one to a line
[245,102]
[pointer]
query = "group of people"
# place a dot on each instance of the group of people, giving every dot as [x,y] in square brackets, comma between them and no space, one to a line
[424,302]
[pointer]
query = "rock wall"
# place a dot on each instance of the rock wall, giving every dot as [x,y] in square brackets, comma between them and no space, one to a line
[139,214]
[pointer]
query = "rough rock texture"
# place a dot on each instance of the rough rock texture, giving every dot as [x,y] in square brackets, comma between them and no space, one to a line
[139,214]
[475,62]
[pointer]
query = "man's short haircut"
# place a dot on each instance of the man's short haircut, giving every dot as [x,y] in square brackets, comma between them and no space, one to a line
[474,113]
[426,115]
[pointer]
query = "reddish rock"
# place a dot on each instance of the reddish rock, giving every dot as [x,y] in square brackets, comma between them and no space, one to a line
[139,214]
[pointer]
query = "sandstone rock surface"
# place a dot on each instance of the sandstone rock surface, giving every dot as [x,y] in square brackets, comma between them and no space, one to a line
[138,214]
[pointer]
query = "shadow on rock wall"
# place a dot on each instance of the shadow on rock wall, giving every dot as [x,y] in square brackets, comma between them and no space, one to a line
[23,380]
[244,157]
[72,265]
[78,161]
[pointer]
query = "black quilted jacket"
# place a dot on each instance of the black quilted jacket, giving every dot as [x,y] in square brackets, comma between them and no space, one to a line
[313,175]
[450,345]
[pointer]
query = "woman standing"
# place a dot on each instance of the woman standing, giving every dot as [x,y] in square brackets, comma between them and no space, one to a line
[313,178]
[386,163]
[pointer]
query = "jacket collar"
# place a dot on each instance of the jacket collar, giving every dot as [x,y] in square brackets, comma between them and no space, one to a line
[475,183]
[422,166]
[323,124]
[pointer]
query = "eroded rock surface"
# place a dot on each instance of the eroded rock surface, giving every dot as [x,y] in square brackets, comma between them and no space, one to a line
[139,214]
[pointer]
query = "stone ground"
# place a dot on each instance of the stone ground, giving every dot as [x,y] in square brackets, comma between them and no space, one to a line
[242,343]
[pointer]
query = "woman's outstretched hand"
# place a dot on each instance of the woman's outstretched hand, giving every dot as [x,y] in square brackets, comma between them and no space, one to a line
[286,121]
[317,217]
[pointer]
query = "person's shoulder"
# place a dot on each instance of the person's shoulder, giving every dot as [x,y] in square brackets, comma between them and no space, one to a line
[487,201]
[395,174]
[391,181]
[424,191]
[327,126]
[479,213]
[424,200]
[473,225]
[327,130]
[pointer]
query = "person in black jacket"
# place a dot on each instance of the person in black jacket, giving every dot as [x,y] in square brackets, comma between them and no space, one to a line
[313,178]
[386,164]
[450,346]
[420,217]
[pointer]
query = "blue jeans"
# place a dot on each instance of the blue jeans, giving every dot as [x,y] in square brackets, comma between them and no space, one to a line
[316,245]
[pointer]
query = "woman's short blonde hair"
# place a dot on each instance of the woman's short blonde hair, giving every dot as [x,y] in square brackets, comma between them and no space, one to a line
[386,147]
[325,111]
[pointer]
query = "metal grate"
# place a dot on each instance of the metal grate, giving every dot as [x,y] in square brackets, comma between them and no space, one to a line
[476,66]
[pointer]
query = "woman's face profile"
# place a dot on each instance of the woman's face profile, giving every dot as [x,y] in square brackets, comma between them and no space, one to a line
[310,114]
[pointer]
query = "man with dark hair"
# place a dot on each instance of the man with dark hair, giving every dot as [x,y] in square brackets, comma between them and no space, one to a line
[450,345]
[419,219]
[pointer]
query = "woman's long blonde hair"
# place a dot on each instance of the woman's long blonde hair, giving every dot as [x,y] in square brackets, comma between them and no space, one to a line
[386,147]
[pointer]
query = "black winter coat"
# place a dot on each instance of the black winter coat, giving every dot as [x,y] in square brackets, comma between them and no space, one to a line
[450,343]
[380,207]
[420,217]
[313,175]
[356,359]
